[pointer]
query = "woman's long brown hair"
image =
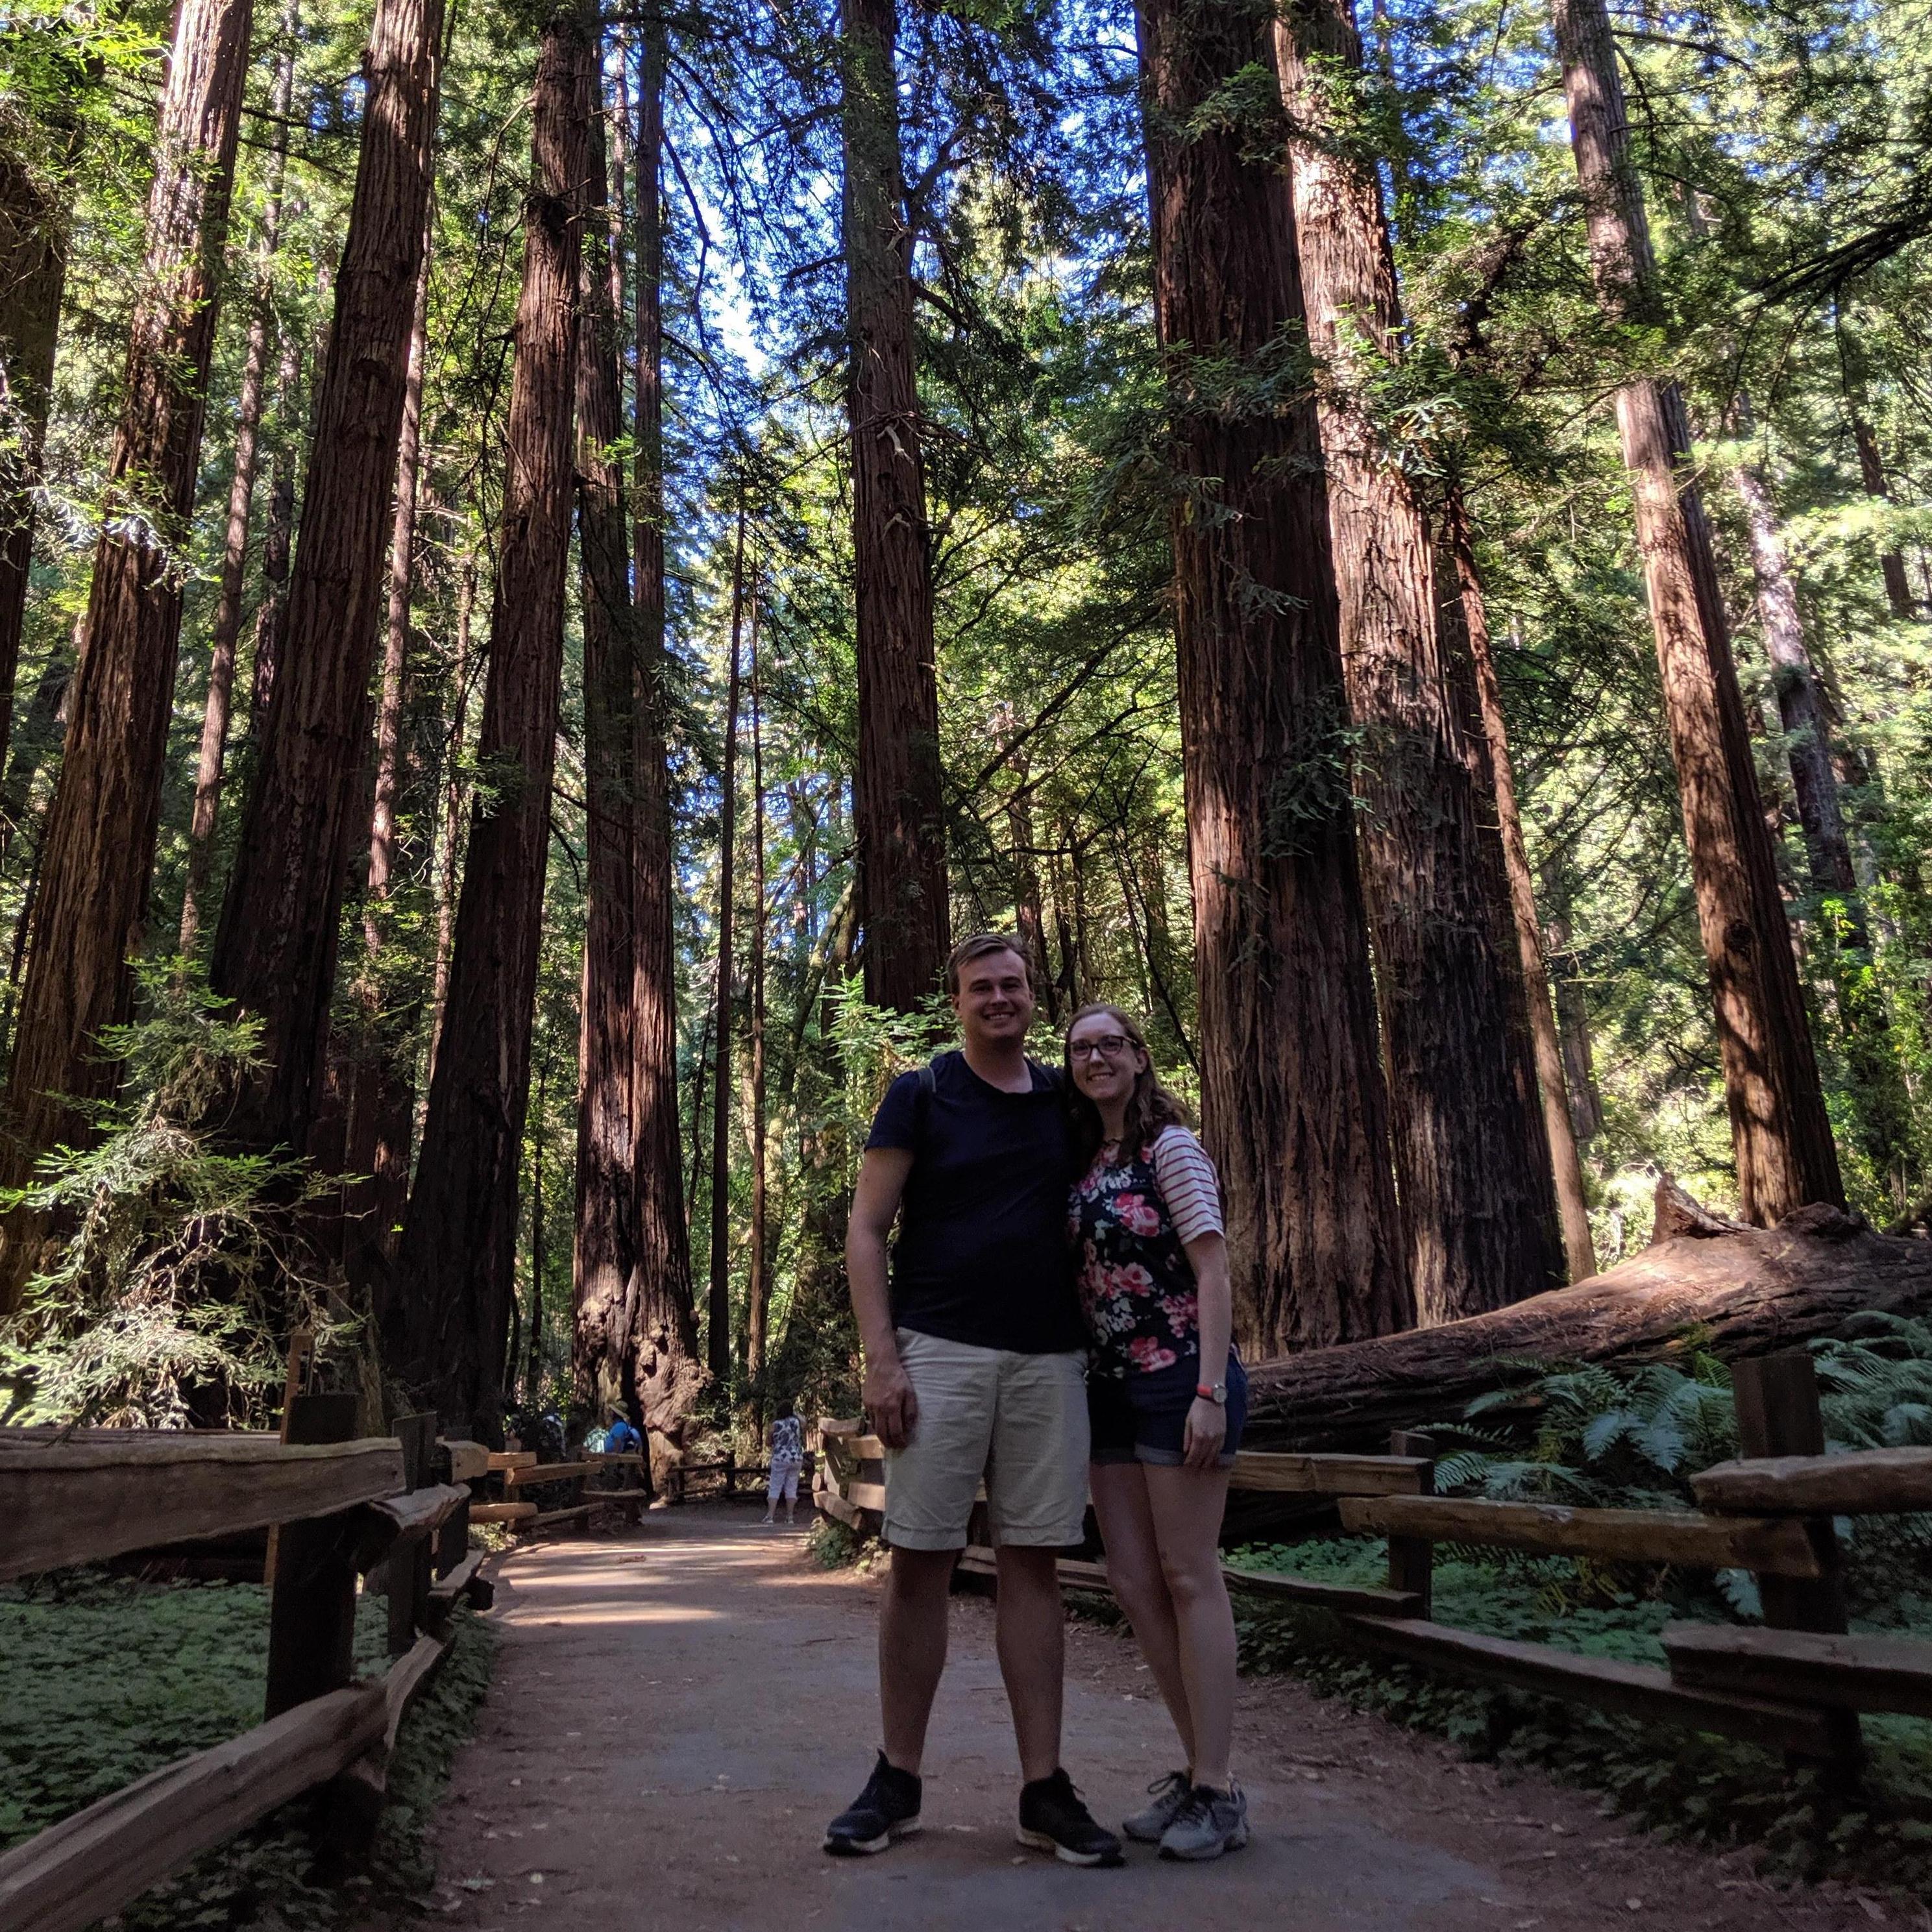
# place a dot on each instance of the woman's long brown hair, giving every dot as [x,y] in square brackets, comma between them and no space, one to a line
[1150,1107]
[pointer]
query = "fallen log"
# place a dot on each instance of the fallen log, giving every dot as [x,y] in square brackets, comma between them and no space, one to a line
[1744,1291]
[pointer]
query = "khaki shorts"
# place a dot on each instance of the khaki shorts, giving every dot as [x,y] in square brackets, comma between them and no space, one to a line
[1020,1420]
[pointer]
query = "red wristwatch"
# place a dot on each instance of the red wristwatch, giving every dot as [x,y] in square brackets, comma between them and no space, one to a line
[1214,1392]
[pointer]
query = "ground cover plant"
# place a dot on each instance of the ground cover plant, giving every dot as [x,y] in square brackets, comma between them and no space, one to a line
[105,1679]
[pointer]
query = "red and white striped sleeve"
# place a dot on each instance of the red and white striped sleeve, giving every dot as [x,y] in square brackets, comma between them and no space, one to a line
[1188,1184]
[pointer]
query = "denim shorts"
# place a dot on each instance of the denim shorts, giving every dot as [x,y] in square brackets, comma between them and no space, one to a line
[1143,1418]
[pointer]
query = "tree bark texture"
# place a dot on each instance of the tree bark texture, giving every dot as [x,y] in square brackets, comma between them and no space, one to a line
[271,615]
[1883,1110]
[218,703]
[1301,1138]
[381,1091]
[100,837]
[604,1257]
[1741,1290]
[33,276]
[717,1311]
[458,1263]
[275,947]
[1471,1161]
[757,1275]
[1472,628]
[897,798]
[1780,1131]
[663,1343]
[453,792]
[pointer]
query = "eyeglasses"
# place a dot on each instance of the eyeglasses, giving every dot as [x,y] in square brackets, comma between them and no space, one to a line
[1108,1045]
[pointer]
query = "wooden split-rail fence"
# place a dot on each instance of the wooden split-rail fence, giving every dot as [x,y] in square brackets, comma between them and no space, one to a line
[1796,1685]
[393,1510]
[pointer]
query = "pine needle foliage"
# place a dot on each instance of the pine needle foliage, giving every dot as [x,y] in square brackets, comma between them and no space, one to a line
[176,1272]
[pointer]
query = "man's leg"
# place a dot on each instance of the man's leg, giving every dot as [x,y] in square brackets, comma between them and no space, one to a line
[1030,1627]
[912,1649]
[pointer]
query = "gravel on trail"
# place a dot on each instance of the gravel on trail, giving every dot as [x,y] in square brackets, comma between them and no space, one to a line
[678,1710]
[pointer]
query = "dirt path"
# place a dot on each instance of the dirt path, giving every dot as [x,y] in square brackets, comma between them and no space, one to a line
[677,1711]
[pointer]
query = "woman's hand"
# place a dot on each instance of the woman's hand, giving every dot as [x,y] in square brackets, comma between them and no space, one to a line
[1207,1430]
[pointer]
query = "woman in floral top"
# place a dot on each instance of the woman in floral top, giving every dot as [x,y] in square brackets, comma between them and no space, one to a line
[1167,1397]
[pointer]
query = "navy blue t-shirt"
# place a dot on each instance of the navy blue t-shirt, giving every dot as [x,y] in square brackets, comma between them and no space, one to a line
[983,1255]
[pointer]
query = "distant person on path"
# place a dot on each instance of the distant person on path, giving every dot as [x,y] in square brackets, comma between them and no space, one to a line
[788,1460]
[1167,1397]
[975,1363]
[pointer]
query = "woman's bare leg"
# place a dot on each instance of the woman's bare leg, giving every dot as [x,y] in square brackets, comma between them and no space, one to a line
[1185,1506]
[1120,1493]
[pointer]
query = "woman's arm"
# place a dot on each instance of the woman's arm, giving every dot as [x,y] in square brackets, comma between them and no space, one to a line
[1208,1421]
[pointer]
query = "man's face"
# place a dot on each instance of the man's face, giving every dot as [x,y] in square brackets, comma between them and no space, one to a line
[995,1002]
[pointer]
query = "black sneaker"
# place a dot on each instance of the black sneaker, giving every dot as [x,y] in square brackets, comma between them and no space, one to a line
[1052,1818]
[888,1808]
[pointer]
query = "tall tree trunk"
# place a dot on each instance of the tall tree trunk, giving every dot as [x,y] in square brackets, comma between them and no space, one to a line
[100,838]
[1878,1090]
[271,615]
[897,797]
[1471,1161]
[758,1280]
[381,1094]
[453,792]
[33,276]
[663,1343]
[605,1255]
[1280,939]
[1573,1022]
[1471,618]
[1871,463]
[227,634]
[458,1258]
[275,947]
[1780,1131]
[718,1315]
[41,731]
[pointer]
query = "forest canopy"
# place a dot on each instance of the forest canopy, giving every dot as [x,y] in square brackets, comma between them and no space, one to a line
[553,558]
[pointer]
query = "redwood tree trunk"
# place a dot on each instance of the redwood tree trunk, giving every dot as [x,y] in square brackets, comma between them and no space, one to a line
[33,274]
[1471,1161]
[758,1280]
[718,1312]
[1878,1090]
[100,837]
[227,632]
[896,785]
[663,1326]
[1780,1131]
[275,948]
[381,1094]
[1472,623]
[1301,1137]
[271,617]
[458,1260]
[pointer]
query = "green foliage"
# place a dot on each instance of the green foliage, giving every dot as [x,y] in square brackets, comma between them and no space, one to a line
[175,1275]
[105,1679]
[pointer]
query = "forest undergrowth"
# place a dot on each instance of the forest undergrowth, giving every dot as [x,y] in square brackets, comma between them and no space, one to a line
[106,1678]
[1633,1439]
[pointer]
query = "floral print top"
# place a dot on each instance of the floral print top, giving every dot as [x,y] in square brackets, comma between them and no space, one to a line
[1137,1287]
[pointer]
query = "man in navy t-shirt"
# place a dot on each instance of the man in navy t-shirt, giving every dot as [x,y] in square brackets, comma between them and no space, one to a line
[975,1365]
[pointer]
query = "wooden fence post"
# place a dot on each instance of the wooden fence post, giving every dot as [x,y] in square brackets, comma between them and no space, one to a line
[1411,1559]
[312,1605]
[406,1572]
[1778,1414]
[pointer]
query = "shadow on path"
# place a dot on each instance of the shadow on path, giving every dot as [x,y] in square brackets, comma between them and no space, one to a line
[677,1711]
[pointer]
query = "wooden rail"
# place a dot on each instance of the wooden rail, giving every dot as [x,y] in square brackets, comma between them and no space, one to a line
[389,1507]
[1795,1686]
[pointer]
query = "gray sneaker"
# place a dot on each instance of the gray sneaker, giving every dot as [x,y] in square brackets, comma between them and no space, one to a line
[1208,1823]
[1169,1794]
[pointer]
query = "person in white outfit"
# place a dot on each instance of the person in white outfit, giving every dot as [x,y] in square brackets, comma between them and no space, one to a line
[788,1460]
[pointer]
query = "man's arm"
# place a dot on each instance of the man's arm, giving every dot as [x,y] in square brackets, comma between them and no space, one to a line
[875,1202]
